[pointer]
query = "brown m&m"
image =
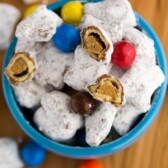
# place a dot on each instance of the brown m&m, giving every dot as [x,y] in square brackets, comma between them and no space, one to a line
[83,103]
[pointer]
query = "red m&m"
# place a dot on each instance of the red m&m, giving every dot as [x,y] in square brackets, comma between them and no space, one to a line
[124,54]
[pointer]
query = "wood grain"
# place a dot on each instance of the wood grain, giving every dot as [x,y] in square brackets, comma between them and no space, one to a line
[151,150]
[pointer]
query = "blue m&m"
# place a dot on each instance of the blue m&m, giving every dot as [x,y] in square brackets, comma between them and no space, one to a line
[32,154]
[66,38]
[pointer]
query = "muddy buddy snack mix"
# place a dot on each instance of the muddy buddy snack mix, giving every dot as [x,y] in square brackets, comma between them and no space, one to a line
[40,26]
[9,154]
[90,71]
[9,16]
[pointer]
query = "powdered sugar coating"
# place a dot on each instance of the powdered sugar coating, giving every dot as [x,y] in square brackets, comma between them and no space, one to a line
[55,119]
[139,84]
[9,15]
[9,154]
[140,81]
[112,10]
[99,124]
[126,118]
[145,50]
[40,26]
[52,65]
[117,72]
[29,94]
[114,29]
[34,48]
[84,70]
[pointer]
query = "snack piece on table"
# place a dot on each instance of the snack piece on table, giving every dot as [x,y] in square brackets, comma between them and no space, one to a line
[55,119]
[29,94]
[108,89]
[114,29]
[145,50]
[40,26]
[21,68]
[98,125]
[84,70]
[9,154]
[111,10]
[9,15]
[52,66]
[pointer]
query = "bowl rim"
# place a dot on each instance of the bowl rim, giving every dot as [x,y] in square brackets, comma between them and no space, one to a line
[105,149]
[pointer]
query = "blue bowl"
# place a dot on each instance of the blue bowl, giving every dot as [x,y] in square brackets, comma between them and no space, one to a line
[89,152]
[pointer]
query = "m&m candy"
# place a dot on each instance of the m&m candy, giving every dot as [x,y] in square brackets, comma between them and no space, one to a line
[67,38]
[124,54]
[32,154]
[91,164]
[72,12]
[30,10]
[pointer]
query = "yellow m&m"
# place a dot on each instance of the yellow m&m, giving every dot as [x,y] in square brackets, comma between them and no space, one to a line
[30,10]
[72,13]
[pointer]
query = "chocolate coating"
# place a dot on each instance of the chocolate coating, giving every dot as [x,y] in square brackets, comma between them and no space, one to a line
[83,103]
[69,90]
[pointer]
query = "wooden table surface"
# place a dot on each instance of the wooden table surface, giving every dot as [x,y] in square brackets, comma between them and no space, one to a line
[151,150]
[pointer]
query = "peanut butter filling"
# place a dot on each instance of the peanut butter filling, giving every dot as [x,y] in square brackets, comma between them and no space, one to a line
[20,68]
[94,43]
[107,89]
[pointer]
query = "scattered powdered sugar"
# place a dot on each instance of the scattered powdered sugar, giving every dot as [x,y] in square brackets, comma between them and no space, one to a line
[9,154]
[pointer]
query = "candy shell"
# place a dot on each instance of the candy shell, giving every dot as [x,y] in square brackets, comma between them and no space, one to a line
[72,12]
[67,38]
[32,154]
[91,164]
[124,54]
[30,10]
